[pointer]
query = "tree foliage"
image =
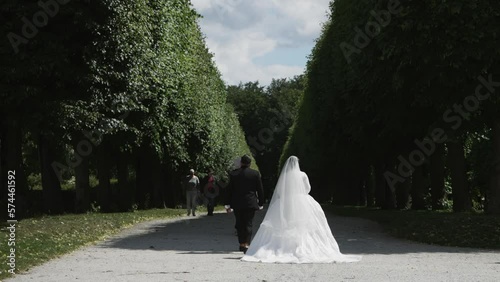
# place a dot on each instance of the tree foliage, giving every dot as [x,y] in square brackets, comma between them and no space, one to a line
[121,88]
[266,114]
[386,77]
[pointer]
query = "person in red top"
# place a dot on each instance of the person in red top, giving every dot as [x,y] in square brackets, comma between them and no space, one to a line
[211,191]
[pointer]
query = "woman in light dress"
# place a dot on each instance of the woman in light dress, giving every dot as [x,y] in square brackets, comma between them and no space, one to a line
[295,229]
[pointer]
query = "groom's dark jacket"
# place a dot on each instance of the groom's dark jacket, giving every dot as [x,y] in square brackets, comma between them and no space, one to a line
[245,189]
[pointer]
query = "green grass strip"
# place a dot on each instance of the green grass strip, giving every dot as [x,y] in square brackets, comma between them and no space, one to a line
[433,227]
[41,239]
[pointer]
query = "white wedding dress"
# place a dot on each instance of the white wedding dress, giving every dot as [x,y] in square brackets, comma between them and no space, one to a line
[295,229]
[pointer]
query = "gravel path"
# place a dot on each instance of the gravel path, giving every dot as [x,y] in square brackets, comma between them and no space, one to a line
[203,248]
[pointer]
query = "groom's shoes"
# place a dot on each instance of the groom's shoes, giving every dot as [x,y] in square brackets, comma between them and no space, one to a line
[243,249]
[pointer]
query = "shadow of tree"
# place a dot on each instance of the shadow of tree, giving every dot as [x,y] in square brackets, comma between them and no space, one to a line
[215,235]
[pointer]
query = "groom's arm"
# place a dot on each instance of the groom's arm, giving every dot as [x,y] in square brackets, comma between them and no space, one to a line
[229,192]
[260,190]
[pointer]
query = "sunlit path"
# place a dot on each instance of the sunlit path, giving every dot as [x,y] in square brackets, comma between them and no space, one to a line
[203,249]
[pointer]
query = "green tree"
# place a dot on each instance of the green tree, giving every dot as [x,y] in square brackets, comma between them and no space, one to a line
[123,88]
[374,93]
[266,114]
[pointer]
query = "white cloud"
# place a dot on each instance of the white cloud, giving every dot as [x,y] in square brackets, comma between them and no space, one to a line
[306,14]
[238,32]
[264,74]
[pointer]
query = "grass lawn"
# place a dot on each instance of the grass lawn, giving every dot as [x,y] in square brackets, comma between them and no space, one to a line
[43,238]
[433,227]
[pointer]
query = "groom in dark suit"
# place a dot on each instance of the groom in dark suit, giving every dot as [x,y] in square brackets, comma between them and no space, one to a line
[245,195]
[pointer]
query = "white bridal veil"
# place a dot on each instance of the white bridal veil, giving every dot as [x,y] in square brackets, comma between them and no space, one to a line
[295,229]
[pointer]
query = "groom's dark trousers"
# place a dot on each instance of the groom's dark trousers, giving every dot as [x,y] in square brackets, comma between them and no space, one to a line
[244,223]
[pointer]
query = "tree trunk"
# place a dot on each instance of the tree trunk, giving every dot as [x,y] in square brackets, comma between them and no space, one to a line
[403,194]
[380,184]
[390,192]
[321,193]
[52,196]
[124,188]
[418,189]
[103,175]
[143,181]
[363,196]
[493,195]
[139,182]
[384,196]
[347,190]
[82,186]
[11,160]
[437,167]
[353,194]
[173,189]
[370,188]
[158,199]
[340,189]
[460,187]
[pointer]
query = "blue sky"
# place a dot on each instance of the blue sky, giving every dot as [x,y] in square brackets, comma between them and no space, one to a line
[291,56]
[260,39]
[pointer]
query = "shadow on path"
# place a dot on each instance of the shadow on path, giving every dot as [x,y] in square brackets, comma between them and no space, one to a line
[215,234]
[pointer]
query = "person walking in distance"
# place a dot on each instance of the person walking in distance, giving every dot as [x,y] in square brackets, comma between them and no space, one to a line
[210,191]
[191,186]
[245,195]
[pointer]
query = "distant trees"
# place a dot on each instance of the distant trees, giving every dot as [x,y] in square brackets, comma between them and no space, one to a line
[115,89]
[400,105]
[266,114]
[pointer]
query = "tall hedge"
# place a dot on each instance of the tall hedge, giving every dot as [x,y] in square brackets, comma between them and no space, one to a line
[387,78]
[123,89]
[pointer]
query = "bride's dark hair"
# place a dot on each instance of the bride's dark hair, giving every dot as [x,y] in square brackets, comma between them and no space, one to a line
[292,163]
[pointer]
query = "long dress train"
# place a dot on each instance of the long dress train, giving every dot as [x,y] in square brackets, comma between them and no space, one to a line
[295,229]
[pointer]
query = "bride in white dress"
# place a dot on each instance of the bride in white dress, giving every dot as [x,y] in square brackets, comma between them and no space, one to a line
[295,229]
